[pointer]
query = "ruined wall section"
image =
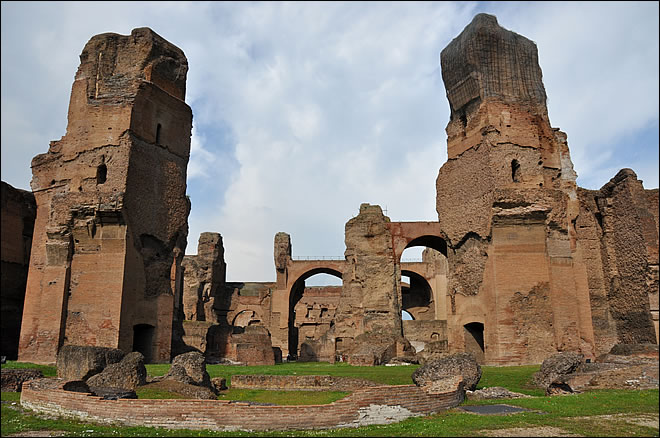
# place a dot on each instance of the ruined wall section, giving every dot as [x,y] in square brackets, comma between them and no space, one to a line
[506,199]
[370,301]
[314,315]
[619,231]
[239,331]
[368,328]
[204,278]
[18,215]
[112,210]
[653,279]
[589,229]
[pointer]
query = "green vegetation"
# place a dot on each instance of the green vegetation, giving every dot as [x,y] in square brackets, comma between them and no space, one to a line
[516,379]
[387,375]
[48,370]
[577,414]
[283,397]
[161,394]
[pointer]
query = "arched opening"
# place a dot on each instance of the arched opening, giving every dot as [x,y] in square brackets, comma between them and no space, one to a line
[406,316]
[423,260]
[101,174]
[435,242]
[515,171]
[313,301]
[158,130]
[474,340]
[416,296]
[143,340]
[245,318]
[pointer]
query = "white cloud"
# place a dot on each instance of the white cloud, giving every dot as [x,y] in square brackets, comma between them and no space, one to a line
[304,110]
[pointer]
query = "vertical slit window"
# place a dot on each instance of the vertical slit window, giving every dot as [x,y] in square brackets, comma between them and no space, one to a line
[101,174]
[515,171]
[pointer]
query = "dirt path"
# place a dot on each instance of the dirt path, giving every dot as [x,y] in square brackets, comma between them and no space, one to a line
[646,420]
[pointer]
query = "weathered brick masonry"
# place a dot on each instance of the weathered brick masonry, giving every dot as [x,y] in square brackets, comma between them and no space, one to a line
[112,212]
[18,214]
[376,405]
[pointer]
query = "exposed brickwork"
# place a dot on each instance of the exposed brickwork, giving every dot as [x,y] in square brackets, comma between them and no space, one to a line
[112,211]
[203,278]
[421,332]
[618,230]
[525,263]
[315,313]
[375,405]
[507,204]
[18,214]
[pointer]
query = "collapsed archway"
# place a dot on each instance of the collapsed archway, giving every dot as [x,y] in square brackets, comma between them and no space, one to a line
[245,318]
[311,309]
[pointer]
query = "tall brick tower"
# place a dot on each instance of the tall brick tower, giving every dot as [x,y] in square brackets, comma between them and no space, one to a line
[507,201]
[112,212]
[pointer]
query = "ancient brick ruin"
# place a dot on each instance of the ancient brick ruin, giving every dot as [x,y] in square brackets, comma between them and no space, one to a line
[520,264]
[529,266]
[18,213]
[112,212]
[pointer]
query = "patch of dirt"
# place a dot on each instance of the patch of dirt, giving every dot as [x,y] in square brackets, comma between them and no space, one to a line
[38,433]
[645,420]
[527,431]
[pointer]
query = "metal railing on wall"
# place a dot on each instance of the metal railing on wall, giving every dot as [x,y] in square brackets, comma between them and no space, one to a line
[318,258]
[342,258]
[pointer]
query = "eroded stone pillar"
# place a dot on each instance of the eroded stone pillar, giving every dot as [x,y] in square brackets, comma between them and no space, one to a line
[507,200]
[111,201]
[368,329]
[204,278]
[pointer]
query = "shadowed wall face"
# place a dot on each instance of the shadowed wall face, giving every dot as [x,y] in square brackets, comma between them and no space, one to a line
[18,215]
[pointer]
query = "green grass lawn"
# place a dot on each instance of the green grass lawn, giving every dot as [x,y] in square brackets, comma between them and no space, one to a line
[399,375]
[516,378]
[283,397]
[571,413]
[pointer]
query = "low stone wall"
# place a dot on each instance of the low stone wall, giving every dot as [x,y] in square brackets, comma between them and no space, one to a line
[375,405]
[300,383]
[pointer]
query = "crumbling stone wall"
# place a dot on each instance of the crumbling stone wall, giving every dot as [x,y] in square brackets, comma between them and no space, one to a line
[112,212]
[368,329]
[314,315]
[18,214]
[203,278]
[506,199]
[369,300]
[619,231]
[239,330]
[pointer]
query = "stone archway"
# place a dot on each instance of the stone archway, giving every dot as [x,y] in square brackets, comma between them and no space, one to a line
[321,317]
[417,297]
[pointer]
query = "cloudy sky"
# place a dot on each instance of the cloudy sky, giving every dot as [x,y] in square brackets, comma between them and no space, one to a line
[302,111]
